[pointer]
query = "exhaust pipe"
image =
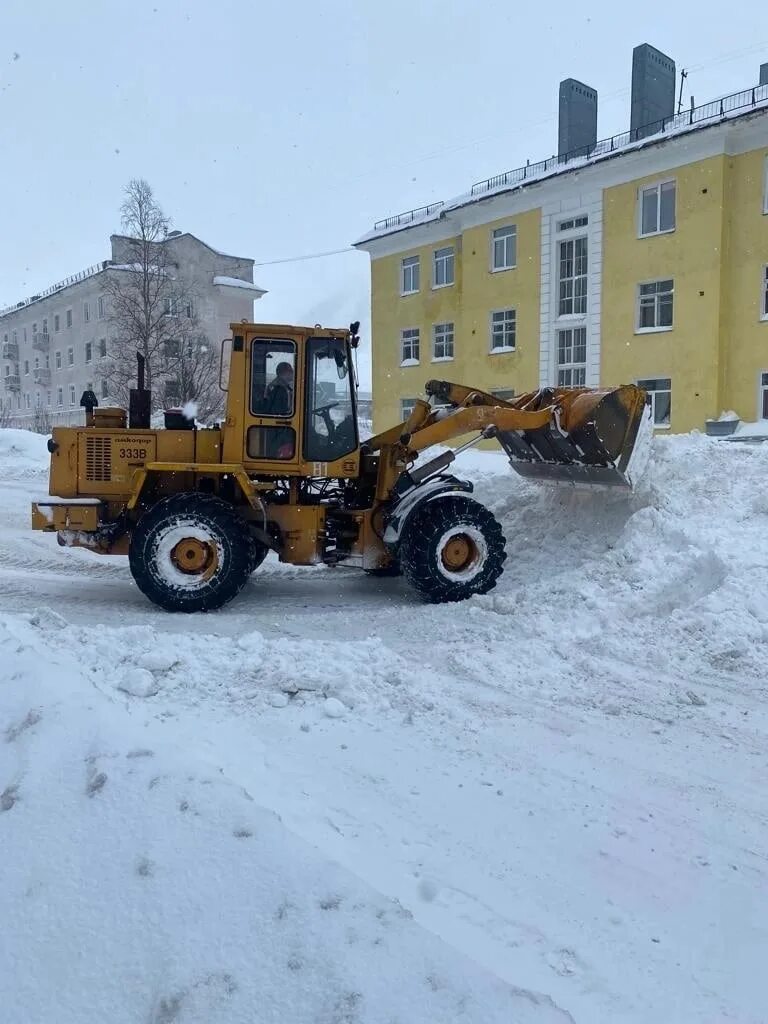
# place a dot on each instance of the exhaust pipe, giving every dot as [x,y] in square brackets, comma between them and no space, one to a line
[140,401]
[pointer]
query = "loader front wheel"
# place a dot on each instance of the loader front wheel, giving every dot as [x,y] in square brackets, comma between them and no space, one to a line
[191,553]
[452,548]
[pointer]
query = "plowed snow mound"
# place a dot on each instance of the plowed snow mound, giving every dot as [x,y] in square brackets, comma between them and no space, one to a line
[141,884]
[22,454]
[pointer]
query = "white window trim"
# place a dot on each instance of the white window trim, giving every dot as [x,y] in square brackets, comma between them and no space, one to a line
[410,362]
[760,394]
[512,266]
[441,359]
[400,269]
[644,188]
[448,284]
[658,376]
[765,185]
[764,290]
[503,349]
[653,330]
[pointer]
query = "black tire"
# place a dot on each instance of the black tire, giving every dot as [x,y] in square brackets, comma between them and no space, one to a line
[439,532]
[202,575]
[260,552]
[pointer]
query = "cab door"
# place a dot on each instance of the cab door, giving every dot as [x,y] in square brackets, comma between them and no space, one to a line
[273,413]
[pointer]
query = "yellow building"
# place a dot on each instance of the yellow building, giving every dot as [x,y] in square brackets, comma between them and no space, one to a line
[646,261]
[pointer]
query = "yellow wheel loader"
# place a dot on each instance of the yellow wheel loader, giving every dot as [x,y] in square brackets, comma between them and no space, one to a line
[197,510]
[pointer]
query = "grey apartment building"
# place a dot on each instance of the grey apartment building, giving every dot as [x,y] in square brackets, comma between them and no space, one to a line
[54,343]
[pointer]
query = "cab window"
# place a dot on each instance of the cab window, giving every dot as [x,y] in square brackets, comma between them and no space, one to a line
[331,422]
[273,370]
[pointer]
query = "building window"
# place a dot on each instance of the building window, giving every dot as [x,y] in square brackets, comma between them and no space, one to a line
[72,394]
[170,307]
[572,357]
[189,310]
[573,222]
[45,326]
[38,400]
[172,391]
[26,367]
[37,362]
[103,348]
[505,394]
[47,361]
[59,396]
[407,405]
[102,307]
[409,275]
[409,345]
[56,323]
[48,396]
[442,341]
[58,360]
[655,306]
[444,267]
[69,318]
[26,399]
[14,337]
[659,398]
[657,208]
[88,351]
[86,312]
[172,348]
[104,389]
[503,330]
[764,297]
[504,247]
[70,357]
[573,266]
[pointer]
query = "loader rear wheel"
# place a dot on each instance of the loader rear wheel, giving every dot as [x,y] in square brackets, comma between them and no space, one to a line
[452,548]
[191,553]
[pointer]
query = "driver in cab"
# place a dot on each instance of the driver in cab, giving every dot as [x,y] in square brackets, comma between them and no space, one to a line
[278,398]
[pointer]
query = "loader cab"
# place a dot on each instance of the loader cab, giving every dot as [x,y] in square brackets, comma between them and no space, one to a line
[291,409]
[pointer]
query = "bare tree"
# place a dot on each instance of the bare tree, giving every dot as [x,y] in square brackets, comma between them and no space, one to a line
[42,422]
[192,373]
[151,307]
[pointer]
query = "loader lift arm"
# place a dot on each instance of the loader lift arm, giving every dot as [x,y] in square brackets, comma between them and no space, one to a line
[571,435]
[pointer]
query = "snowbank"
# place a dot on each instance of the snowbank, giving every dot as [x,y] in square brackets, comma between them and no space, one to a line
[22,454]
[142,884]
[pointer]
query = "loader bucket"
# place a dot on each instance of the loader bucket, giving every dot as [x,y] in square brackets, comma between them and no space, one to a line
[595,438]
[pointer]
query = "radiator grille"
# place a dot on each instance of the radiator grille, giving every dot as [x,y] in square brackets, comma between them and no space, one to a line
[98,459]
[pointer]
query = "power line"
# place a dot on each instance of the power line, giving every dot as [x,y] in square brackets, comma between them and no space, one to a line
[309,256]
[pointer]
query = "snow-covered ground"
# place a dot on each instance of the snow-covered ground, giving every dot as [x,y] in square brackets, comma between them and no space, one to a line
[330,803]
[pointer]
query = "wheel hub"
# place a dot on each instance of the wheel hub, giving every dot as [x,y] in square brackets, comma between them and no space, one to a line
[195,557]
[459,553]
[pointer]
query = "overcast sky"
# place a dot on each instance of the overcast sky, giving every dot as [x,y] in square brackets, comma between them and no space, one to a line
[274,130]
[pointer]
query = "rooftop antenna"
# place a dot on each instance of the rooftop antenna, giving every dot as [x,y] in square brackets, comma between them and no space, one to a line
[683,76]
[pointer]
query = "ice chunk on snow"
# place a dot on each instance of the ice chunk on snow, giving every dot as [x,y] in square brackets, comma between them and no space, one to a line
[139,682]
[158,661]
[333,708]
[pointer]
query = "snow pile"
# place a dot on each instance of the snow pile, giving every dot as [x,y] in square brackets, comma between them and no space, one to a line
[22,454]
[142,884]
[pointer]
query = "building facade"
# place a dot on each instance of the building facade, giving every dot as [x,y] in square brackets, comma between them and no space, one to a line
[56,345]
[643,258]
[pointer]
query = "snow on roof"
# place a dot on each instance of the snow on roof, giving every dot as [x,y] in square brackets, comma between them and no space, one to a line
[236,282]
[723,108]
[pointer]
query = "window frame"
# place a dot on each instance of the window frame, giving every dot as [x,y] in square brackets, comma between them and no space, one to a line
[72,396]
[58,359]
[765,184]
[640,382]
[409,263]
[101,307]
[657,186]
[448,256]
[88,352]
[511,230]
[664,328]
[60,398]
[275,342]
[86,312]
[410,360]
[764,294]
[68,318]
[571,366]
[403,402]
[573,314]
[56,323]
[501,349]
[71,356]
[501,392]
[452,332]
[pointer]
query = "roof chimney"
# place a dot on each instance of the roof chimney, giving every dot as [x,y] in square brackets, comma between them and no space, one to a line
[764,74]
[577,124]
[653,90]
